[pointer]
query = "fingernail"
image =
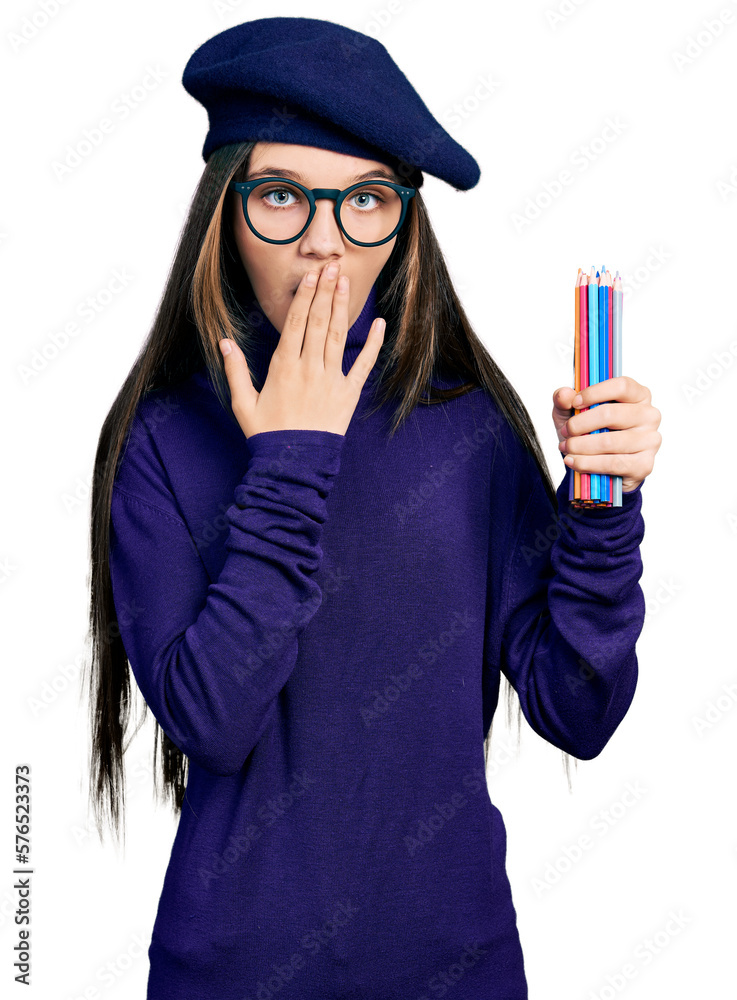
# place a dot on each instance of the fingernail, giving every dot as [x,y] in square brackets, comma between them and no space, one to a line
[310,279]
[332,270]
[577,400]
[225,347]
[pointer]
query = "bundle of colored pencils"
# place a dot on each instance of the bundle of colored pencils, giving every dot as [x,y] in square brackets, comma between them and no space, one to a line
[597,357]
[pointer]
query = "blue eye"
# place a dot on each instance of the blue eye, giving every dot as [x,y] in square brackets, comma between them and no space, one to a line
[365,194]
[281,200]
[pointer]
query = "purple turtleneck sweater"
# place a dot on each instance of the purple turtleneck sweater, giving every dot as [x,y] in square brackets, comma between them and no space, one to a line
[319,622]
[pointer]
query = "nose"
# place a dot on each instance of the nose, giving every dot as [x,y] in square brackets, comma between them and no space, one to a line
[323,236]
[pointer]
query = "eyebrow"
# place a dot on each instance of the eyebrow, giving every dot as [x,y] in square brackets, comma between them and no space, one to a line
[295,175]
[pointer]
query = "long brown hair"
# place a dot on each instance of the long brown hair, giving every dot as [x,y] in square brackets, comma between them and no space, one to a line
[427,332]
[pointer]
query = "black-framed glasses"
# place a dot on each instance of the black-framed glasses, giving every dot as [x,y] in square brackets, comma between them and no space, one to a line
[279,211]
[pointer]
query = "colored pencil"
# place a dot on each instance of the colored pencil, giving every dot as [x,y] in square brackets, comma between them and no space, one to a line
[594,353]
[582,480]
[573,481]
[617,296]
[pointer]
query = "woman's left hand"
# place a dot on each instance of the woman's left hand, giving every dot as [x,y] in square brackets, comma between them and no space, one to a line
[628,449]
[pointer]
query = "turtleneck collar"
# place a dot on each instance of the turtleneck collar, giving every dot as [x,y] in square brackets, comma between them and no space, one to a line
[267,336]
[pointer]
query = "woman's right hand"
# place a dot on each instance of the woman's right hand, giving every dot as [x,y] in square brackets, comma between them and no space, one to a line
[305,387]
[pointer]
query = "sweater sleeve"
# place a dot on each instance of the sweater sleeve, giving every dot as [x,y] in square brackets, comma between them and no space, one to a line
[210,658]
[572,614]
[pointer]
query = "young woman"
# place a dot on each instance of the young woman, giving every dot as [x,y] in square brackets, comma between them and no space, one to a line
[316,532]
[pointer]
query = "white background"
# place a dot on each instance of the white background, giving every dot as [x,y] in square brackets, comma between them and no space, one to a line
[655,202]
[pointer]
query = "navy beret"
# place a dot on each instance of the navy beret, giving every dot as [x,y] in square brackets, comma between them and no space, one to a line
[317,83]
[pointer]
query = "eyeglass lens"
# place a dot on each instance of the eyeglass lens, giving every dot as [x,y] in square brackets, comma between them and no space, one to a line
[279,211]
